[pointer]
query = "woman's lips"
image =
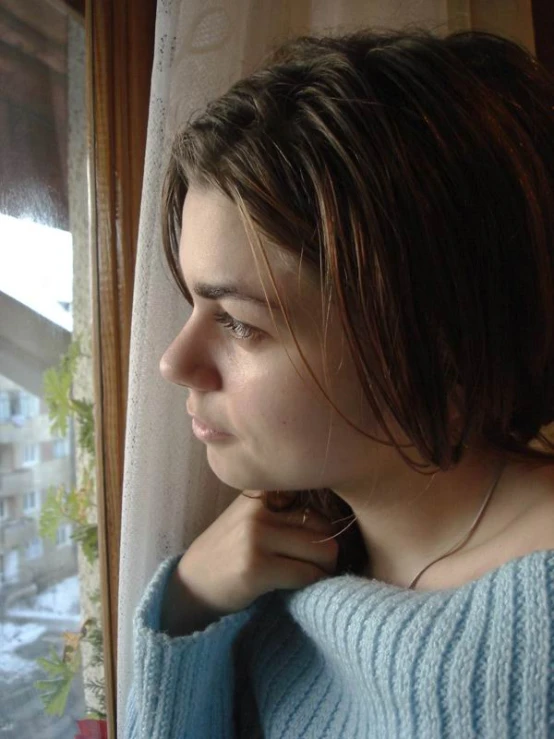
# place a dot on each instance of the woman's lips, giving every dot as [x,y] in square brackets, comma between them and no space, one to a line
[205,433]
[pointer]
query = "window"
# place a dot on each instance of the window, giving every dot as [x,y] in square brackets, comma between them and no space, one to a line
[63,535]
[34,548]
[61,448]
[11,566]
[30,502]
[29,405]
[31,454]
[46,277]
[3,509]
[4,406]
[15,404]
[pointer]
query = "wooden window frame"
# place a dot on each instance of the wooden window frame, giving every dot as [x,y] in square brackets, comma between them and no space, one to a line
[119,53]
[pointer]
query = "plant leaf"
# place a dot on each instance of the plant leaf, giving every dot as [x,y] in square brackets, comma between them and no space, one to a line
[51,514]
[54,691]
[87,536]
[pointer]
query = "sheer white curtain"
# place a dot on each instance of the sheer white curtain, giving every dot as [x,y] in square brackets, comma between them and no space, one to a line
[170,493]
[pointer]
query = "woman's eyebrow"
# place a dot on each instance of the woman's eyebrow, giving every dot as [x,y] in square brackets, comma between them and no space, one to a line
[229,290]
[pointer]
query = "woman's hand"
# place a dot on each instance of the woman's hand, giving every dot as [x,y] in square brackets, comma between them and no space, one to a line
[246,552]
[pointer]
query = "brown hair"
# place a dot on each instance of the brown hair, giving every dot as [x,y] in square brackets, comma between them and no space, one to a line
[415,176]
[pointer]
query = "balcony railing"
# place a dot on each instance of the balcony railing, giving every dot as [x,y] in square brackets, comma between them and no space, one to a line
[20,430]
[15,483]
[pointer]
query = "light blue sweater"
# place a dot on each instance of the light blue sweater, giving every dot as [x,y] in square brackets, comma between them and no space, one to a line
[350,658]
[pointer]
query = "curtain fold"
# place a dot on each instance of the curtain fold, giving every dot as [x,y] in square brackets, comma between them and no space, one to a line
[170,494]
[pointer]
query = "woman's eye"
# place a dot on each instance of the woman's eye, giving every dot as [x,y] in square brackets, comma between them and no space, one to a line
[239,329]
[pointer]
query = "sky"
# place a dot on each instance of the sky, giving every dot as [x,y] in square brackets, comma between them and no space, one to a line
[36,267]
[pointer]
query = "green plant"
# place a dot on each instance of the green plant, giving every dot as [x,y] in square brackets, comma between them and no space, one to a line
[92,632]
[61,670]
[74,506]
[57,383]
[71,505]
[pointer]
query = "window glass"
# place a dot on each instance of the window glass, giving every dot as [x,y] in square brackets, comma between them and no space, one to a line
[51,652]
[30,502]
[4,406]
[34,548]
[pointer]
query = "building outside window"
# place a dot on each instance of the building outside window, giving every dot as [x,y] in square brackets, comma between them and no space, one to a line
[61,448]
[30,502]
[11,566]
[63,535]
[34,549]
[15,404]
[5,413]
[29,405]
[31,454]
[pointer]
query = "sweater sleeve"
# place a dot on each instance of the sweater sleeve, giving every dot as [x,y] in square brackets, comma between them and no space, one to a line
[183,686]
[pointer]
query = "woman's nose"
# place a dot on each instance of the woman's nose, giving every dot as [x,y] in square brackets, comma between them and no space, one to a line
[170,367]
[185,363]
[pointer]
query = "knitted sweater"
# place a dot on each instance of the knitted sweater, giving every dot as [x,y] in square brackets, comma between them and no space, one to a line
[350,658]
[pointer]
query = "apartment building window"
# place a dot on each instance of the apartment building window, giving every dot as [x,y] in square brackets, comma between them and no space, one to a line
[4,406]
[61,448]
[11,566]
[34,549]
[30,502]
[29,405]
[3,509]
[31,454]
[15,404]
[63,535]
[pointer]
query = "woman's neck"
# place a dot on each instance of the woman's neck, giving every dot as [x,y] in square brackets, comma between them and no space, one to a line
[408,520]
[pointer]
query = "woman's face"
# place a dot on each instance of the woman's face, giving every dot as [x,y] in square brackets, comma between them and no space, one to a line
[283,434]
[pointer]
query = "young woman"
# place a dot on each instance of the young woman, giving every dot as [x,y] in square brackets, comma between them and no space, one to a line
[364,228]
